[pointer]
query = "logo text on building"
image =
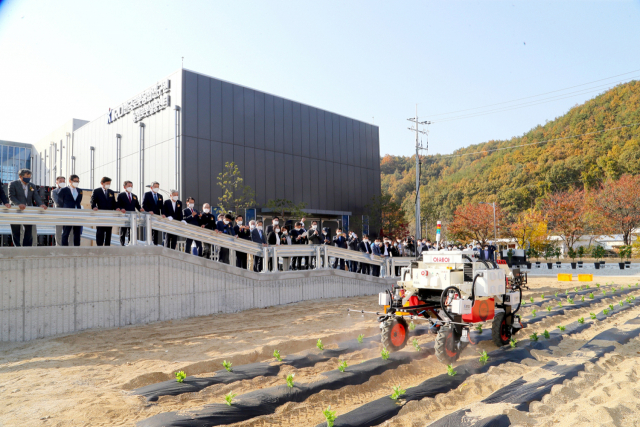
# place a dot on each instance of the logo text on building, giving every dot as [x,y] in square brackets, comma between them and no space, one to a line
[144,105]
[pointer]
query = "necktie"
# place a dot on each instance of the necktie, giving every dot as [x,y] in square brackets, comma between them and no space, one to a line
[155,198]
[129,194]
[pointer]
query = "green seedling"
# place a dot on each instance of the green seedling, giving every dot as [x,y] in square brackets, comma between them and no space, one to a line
[229,397]
[586,286]
[582,298]
[343,366]
[559,303]
[556,294]
[330,416]
[479,329]
[621,303]
[227,365]
[637,285]
[484,357]
[593,316]
[614,290]
[562,328]
[276,354]
[549,308]
[575,289]
[524,303]
[591,295]
[415,344]
[570,300]
[581,320]
[360,338]
[412,326]
[629,286]
[513,342]
[542,296]
[566,292]
[397,392]
[533,313]
[605,311]
[450,371]
[385,354]
[597,285]
[546,334]
[290,380]
[180,376]
[319,344]
[533,336]
[611,307]
[531,299]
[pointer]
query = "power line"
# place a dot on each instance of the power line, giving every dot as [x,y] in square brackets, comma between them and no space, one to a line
[541,142]
[531,103]
[534,96]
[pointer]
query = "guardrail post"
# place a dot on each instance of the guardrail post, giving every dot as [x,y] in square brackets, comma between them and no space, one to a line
[133,232]
[148,231]
[265,259]
[274,266]
[326,257]
[392,270]
[232,257]
[318,261]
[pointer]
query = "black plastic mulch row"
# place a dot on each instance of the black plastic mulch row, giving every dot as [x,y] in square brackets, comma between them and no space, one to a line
[383,409]
[521,393]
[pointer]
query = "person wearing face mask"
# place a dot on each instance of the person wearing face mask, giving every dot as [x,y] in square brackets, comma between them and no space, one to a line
[275,221]
[192,217]
[273,239]
[208,221]
[352,245]
[172,208]
[243,232]
[314,237]
[22,193]
[257,236]
[104,199]
[376,250]
[127,202]
[60,184]
[227,229]
[298,237]
[4,200]
[153,203]
[71,198]
[340,242]
[365,247]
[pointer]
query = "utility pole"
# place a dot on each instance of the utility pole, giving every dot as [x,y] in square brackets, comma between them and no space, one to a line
[419,147]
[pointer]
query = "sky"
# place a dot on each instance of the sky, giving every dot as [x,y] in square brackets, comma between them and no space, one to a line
[370,60]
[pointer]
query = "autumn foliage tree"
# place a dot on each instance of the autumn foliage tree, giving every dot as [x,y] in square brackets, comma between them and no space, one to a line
[618,204]
[565,215]
[529,228]
[475,221]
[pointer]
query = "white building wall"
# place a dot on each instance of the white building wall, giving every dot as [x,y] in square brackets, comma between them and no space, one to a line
[51,144]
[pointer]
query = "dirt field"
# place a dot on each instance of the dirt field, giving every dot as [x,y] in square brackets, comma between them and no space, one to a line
[85,379]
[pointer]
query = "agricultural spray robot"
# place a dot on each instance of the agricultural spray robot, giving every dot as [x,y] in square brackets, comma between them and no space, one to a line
[453,290]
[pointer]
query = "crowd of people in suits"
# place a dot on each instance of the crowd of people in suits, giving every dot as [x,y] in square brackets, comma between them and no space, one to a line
[22,193]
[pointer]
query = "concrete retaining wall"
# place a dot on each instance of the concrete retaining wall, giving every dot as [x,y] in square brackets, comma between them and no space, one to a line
[46,291]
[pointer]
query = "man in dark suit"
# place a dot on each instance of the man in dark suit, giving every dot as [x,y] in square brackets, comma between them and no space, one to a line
[243,232]
[71,198]
[298,237]
[276,221]
[487,253]
[339,241]
[192,216]
[376,250]
[103,198]
[172,209]
[127,202]
[227,229]
[208,221]
[352,244]
[364,247]
[257,236]
[22,193]
[3,197]
[152,203]
[314,237]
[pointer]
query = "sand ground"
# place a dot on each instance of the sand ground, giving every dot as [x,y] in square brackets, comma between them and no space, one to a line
[84,379]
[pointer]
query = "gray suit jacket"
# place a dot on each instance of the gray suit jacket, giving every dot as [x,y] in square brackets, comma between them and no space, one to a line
[16,194]
[54,196]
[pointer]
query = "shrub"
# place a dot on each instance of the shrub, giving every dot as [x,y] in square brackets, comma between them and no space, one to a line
[450,371]
[343,366]
[276,354]
[385,354]
[397,392]
[290,380]
[227,366]
[180,376]
[229,397]
[330,416]
[319,344]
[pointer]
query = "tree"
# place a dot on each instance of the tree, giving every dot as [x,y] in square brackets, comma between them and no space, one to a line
[282,207]
[618,204]
[565,214]
[475,221]
[529,228]
[235,195]
[386,218]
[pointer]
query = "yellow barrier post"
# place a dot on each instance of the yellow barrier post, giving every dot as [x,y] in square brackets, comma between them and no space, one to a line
[564,277]
[585,277]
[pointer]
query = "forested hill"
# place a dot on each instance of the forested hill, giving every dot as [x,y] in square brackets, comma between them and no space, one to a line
[518,178]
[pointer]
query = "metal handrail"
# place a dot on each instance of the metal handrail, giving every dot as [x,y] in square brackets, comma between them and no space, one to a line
[90,218]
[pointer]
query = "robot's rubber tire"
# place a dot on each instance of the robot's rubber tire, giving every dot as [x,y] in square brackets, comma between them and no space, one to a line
[395,334]
[446,346]
[500,332]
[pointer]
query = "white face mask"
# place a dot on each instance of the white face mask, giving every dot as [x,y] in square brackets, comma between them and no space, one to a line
[277,230]
[285,232]
[314,226]
[129,189]
[252,226]
[226,221]
[174,198]
[107,186]
[74,184]
[190,205]
[62,184]
[155,189]
[206,210]
[276,222]
[239,222]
